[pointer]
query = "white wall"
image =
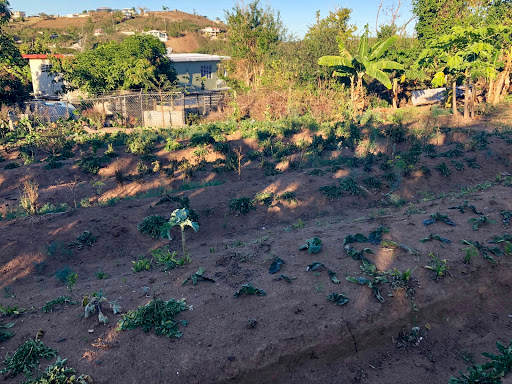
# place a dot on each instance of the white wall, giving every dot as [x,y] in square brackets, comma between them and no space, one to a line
[43,82]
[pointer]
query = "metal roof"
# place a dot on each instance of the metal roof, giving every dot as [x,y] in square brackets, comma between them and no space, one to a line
[188,57]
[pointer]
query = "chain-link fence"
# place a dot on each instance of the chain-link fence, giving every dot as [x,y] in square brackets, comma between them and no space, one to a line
[129,110]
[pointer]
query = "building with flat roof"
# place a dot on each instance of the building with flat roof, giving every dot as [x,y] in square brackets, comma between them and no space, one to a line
[18,14]
[197,70]
[45,83]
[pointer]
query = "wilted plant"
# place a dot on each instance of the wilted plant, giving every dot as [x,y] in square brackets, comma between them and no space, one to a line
[28,197]
[93,303]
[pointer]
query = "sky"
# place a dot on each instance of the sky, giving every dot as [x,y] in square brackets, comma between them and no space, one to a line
[297,15]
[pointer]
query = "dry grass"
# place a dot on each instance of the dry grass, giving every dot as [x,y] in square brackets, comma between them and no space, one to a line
[29,196]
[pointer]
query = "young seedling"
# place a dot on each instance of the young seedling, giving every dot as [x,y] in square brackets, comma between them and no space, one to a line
[470,253]
[180,218]
[93,302]
[438,217]
[196,277]
[435,237]
[249,289]
[437,266]
[140,265]
[357,238]
[462,208]
[313,245]
[477,222]
[484,250]
[338,298]
[507,215]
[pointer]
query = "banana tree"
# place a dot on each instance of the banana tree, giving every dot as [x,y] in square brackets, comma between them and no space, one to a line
[180,218]
[367,61]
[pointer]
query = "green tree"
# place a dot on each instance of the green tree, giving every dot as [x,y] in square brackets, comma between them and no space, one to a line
[14,71]
[438,17]
[253,35]
[367,62]
[134,63]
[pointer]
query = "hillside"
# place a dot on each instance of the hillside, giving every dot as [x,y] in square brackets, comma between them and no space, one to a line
[66,34]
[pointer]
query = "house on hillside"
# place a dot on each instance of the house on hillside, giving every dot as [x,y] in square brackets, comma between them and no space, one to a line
[45,84]
[212,32]
[104,9]
[98,32]
[162,36]
[18,14]
[197,70]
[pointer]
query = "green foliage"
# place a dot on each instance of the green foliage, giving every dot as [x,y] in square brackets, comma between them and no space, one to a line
[338,298]
[157,314]
[140,265]
[435,237]
[443,169]
[196,277]
[288,196]
[91,164]
[12,165]
[5,335]
[332,192]
[63,274]
[265,198]
[61,300]
[85,238]
[462,208]
[491,372]
[57,373]
[26,358]
[242,205]
[172,145]
[437,266]
[349,185]
[479,221]
[470,252]
[180,218]
[152,225]
[434,217]
[313,245]
[137,62]
[249,289]
[484,250]
[201,139]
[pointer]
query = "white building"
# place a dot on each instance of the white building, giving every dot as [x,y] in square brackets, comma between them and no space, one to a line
[45,84]
[162,36]
[18,14]
[212,32]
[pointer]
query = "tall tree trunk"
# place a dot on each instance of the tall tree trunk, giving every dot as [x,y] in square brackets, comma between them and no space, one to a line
[454,98]
[466,98]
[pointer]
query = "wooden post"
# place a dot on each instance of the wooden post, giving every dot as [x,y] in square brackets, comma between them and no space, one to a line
[466,98]
[454,98]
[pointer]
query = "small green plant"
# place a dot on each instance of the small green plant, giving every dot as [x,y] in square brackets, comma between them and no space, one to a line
[98,186]
[242,205]
[165,258]
[196,277]
[338,298]
[484,250]
[57,373]
[12,165]
[85,238]
[180,218]
[332,192]
[437,266]
[152,225]
[435,237]
[140,265]
[48,307]
[479,221]
[506,215]
[265,198]
[438,217]
[412,210]
[313,245]
[101,275]
[462,208]
[472,163]
[26,358]
[93,304]
[470,252]
[443,169]
[491,372]
[91,164]
[172,145]
[349,185]
[157,314]
[288,196]
[249,289]
[71,281]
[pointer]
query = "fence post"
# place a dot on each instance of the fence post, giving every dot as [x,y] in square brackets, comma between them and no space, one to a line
[141,109]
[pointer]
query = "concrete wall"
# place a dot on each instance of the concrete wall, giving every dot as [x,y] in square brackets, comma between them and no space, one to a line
[43,82]
[189,73]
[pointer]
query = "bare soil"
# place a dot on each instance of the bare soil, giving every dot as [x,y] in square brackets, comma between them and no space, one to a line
[300,336]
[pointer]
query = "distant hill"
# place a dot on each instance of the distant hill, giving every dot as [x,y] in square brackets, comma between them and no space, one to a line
[71,34]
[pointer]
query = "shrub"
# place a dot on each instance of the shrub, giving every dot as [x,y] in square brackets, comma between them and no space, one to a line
[242,205]
[26,358]
[91,164]
[198,139]
[28,198]
[151,225]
